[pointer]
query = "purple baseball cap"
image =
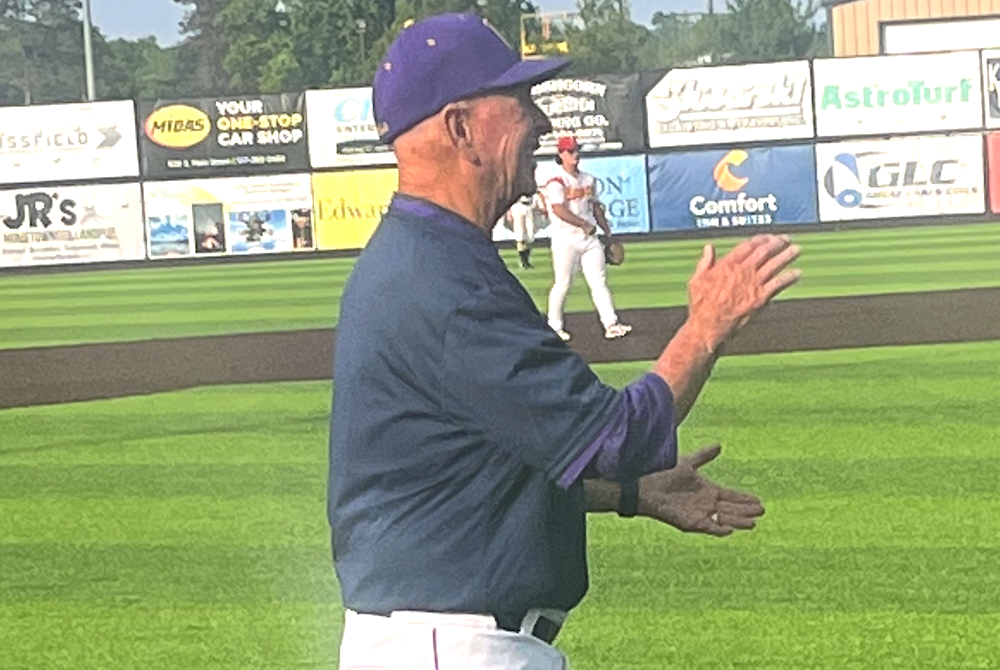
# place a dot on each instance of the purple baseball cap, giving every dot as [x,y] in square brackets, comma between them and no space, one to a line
[442,59]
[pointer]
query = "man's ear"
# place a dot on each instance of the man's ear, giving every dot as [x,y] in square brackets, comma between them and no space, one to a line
[458,121]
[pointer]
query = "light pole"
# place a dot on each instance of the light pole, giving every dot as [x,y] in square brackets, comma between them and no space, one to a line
[361,25]
[88,51]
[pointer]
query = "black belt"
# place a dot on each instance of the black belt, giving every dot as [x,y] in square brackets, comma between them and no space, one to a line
[545,629]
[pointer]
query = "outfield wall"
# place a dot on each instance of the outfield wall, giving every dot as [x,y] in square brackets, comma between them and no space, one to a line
[881,140]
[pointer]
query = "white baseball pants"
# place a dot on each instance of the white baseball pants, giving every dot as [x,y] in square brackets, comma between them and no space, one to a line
[570,252]
[434,641]
[524,226]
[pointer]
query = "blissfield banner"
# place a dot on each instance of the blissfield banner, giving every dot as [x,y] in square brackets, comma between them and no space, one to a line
[349,205]
[342,129]
[223,136]
[733,187]
[88,223]
[49,143]
[885,95]
[911,176]
[236,215]
[621,188]
[728,104]
[603,112]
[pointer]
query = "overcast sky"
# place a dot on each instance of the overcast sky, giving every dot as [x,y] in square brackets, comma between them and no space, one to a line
[139,18]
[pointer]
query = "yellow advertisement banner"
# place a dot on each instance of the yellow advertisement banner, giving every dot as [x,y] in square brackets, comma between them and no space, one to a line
[349,205]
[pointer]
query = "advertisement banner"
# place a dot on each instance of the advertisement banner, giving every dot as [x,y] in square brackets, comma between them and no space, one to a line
[729,104]
[342,129]
[991,87]
[87,223]
[603,112]
[879,95]
[911,176]
[349,205]
[621,188]
[48,143]
[235,215]
[993,153]
[733,187]
[218,136]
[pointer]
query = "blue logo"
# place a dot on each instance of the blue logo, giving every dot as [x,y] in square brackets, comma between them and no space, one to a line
[848,196]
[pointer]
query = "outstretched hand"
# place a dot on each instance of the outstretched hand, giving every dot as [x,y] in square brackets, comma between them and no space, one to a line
[684,499]
[723,294]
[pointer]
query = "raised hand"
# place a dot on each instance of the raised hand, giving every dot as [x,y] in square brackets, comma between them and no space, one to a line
[723,294]
[684,499]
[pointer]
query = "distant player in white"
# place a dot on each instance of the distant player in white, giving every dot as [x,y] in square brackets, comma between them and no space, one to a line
[522,218]
[575,215]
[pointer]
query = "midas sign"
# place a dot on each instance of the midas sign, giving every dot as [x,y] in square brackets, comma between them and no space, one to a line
[349,206]
[178,126]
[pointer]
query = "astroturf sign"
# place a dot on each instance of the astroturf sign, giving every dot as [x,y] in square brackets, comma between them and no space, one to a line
[78,142]
[228,216]
[603,112]
[82,223]
[729,104]
[224,136]
[729,187]
[882,95]
[902,177]
[342,129]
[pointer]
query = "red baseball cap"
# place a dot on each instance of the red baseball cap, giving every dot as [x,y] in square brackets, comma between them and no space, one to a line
[567,143]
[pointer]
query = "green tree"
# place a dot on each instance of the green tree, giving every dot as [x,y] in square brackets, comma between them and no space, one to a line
[771,30]
[609,41]
[137,70]
[41,51]
[203,50]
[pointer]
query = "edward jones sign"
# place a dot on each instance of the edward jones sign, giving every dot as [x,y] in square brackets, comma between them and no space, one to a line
[893,94]
[744,103]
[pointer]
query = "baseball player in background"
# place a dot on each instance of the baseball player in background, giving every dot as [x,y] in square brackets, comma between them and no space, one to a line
[575,215]
[522,217]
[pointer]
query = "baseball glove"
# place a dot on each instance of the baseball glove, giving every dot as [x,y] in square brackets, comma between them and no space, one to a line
[614,253]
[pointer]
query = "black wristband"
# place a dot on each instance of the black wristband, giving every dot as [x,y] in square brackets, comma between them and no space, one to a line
[628,500]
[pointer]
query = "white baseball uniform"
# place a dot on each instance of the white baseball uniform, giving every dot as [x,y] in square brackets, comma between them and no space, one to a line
[573,248]
[522,213]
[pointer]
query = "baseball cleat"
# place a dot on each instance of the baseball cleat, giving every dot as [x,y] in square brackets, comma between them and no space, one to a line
[563,335]
[616,330]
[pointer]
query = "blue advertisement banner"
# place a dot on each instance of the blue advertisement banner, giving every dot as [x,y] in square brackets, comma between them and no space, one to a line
[621,188]
[733,187]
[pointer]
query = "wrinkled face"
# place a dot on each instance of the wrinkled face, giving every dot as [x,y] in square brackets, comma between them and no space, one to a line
[509,125]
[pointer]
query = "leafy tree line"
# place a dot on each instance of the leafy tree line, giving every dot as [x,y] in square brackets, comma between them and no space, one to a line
[266,46]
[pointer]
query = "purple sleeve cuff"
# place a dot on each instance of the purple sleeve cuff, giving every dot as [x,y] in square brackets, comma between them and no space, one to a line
[641,437]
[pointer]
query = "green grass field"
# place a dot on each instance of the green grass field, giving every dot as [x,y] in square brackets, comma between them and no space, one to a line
[155,302]
[186,531]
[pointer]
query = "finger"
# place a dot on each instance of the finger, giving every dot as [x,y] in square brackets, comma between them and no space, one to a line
[765,252]
[743,250]
[731,495]
[735,521]
[780,283]
[708,527]
[778,262]
[707,259]
[739,508]
[704,455]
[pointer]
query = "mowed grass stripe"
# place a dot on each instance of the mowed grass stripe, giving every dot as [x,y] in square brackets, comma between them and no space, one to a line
[210,300]
[198,517]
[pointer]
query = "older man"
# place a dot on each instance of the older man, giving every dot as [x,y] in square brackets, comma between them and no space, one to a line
[468,441]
